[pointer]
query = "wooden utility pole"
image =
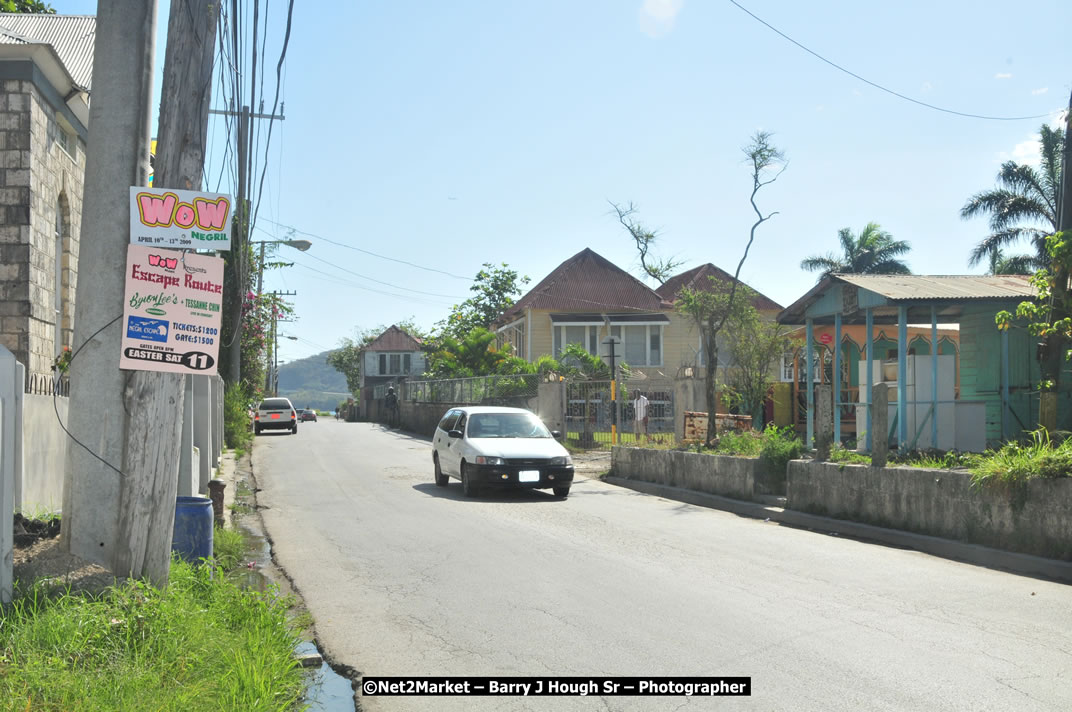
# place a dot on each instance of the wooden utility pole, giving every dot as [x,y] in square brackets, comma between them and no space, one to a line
[155,400]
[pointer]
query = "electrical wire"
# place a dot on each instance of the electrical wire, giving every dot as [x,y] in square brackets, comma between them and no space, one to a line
[879,86]
[367,252]
[386,284]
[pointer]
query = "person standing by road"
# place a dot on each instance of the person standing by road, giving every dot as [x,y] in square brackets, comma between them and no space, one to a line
[640,417]
[390,403]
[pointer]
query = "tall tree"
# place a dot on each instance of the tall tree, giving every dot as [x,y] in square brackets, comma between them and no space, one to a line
[756,346]
[1000,263]
[1023,206]
[658,269]
[27,6]
[711,309]
[873,251]
[494,291]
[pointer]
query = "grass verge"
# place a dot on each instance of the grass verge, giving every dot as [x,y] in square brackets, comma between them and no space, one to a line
[199,644]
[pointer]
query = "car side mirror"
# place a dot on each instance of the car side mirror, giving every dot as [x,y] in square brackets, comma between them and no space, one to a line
[556,434]
[454,434]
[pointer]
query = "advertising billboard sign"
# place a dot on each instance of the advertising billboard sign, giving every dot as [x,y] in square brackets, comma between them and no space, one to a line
[180,219]
[171,313]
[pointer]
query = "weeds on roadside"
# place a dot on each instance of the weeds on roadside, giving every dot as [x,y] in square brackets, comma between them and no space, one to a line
[228,547]
[199,644]
[1017,462]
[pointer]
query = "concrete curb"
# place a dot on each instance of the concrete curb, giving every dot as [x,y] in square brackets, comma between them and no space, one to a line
[1024,564]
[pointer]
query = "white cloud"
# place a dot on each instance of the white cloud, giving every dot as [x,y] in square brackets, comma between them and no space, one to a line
[1036,92]
[927,86]
[1026,152]
[1003,75]
[657,17]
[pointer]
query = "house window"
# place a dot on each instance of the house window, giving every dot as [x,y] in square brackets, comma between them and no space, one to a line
[396,363]
[642,344]
[407,363]
[585,335]
[383,364]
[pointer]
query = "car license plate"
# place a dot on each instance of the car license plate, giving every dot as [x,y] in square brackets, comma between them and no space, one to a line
[528,476]
[275,416]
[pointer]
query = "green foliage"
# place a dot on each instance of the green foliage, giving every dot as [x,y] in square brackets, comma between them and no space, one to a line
[1017,462]
[494,289]
[756,346]
[27,6]
[1023,206]
[748,443]
[937,459]
[199,644]
[840,454]
[780,445]
[228,547]
[473,355]
[873,251]
[236,425]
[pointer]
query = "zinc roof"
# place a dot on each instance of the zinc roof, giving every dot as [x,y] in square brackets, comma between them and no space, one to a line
[394,339]
[589,282]
[899,287]
[70,35]
[699,278]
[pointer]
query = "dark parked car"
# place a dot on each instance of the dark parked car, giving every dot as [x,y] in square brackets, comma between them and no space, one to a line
[275,414]
[308,414]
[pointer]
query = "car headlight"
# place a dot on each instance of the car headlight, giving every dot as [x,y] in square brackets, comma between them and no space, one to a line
[567,460]
[484,460]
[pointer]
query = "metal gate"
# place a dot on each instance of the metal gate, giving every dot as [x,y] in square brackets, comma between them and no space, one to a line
[590,412]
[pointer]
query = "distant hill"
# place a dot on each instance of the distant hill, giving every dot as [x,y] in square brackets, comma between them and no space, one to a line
[312,383]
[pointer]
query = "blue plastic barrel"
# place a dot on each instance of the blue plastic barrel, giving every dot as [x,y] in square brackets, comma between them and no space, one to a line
[192,538]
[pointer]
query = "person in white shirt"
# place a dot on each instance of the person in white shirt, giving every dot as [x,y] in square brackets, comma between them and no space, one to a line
[640,417]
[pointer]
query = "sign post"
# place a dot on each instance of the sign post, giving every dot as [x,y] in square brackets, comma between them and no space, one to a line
[611,355]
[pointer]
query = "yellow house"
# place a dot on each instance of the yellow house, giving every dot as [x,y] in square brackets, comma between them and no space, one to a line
[588,298]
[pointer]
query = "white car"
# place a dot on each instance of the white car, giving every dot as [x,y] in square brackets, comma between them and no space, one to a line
[275,414]
[486,446]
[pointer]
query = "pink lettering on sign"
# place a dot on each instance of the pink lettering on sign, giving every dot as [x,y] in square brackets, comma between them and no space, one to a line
[166,210]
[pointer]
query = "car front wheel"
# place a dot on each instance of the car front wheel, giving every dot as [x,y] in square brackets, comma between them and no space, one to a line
[561,492]
[440,479]
[468,488]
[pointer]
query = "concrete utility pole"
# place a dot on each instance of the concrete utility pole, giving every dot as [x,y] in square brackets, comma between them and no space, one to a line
[155,399]
[117,157]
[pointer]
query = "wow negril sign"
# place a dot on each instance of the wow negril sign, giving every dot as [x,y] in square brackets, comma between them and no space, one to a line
[180,219]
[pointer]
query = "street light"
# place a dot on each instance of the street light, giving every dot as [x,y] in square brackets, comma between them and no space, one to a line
[302,245]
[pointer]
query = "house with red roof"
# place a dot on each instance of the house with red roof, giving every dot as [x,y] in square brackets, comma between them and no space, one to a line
[588,298]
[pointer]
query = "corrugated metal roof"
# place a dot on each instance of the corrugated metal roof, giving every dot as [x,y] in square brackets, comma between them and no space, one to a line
[589,282]
[70,35]
[698,278]
[901,287]
[394,339]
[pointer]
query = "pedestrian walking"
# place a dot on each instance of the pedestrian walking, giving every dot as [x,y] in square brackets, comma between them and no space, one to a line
[390,403]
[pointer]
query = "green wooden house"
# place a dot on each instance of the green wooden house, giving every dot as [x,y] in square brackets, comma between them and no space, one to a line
[995,397]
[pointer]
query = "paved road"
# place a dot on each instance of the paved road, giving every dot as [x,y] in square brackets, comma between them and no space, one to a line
[404,578]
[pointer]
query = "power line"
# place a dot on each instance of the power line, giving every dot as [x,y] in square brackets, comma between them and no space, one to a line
[386,284]
[367,252]
[879,86]
[338,280]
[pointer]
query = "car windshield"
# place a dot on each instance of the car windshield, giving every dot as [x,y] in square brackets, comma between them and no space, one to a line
[276,404]
[506,425]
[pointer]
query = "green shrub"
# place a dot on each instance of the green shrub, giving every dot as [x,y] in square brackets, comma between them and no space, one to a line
[236,427]
[779,446]
[1015,463]
[748,443]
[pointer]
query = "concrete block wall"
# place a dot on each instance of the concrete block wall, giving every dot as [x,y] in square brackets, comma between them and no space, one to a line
[1031,520]
[713,474]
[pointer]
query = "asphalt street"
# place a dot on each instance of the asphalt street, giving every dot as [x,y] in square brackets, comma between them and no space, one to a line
[404,578]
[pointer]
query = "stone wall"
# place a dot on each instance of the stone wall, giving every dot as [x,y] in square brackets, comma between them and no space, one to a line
[42,165]
[1031,520]
[713,474]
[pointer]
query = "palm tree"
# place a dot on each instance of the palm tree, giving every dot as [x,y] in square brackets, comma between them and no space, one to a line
[1024,205]
[874,251]
[1013,264]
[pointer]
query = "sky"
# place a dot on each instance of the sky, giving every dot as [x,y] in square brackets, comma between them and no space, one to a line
[423,139]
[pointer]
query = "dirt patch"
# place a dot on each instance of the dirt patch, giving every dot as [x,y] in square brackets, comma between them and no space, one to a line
[39,555]
[592,464]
